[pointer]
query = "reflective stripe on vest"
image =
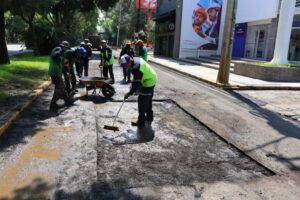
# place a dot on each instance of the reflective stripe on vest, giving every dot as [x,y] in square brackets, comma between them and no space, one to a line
[149,76]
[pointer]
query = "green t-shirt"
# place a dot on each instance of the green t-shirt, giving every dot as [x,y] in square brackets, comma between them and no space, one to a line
[55,64]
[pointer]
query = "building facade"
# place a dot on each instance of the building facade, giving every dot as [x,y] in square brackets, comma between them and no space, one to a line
[166,29]
[254,36]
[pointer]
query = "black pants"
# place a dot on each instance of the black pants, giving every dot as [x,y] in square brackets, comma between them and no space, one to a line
[86,67]
[106,69]
[126,74]
[59,90]
[145,104]
[69,80]
[79,69]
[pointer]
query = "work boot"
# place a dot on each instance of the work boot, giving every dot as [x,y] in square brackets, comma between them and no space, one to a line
[137,123]
[123,81]
[69,101]
[53,107]
[149,119]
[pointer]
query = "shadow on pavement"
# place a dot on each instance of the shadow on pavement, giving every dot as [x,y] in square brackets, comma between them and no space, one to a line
[30,122]
[100,191]
[37,189]
[284,127]
[96,99]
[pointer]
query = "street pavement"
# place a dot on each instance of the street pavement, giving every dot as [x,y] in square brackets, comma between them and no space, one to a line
[67,155]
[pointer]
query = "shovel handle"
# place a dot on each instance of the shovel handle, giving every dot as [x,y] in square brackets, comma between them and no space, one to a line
[118,112]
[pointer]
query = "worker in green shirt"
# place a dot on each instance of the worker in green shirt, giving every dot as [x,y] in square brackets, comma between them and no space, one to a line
[55,72]
[141,50]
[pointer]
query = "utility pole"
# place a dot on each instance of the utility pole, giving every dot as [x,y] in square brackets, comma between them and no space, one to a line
[138,17]
[224,68]
[119,22]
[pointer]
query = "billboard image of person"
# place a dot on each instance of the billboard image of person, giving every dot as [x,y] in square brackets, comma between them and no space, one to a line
[205,24]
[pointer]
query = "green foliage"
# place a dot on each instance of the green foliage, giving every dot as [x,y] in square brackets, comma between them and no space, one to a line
[15,28]
[128,20]
[43,24]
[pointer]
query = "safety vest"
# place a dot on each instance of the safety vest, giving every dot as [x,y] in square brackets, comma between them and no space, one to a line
[111,60]
[149,76]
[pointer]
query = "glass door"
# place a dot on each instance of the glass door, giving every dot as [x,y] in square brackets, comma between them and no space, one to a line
[260,43]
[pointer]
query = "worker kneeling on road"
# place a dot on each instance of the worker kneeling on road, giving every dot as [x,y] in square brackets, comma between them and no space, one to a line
[144,80]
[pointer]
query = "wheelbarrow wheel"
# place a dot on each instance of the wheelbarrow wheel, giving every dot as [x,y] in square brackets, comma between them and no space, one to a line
[108,91]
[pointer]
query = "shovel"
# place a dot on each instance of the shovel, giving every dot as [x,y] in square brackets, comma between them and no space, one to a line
[112,127]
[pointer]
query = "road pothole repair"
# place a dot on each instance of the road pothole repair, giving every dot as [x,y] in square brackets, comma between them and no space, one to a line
[181,151]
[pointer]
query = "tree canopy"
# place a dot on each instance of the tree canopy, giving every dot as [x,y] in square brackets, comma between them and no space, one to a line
[47,22]
[128,19]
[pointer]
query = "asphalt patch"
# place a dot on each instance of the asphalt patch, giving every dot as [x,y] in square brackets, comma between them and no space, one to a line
[182,151]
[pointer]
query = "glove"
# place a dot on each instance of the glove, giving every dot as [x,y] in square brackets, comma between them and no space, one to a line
[126,95]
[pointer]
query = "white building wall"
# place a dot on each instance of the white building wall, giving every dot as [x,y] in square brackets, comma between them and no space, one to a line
[255,10]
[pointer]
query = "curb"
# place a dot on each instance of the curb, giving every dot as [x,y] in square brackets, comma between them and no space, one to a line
[187,74]
[229,87]
[37,92]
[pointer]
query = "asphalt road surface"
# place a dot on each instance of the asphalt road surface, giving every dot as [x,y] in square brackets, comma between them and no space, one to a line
[68,155]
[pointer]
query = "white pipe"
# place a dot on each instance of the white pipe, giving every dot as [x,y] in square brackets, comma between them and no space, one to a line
[286,16]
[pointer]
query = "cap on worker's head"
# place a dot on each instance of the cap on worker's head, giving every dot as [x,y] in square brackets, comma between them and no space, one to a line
[65,44]
[86,40]
[125,59]
[215,6]
[103,42]
[128,43]
[89,44]
[139,43]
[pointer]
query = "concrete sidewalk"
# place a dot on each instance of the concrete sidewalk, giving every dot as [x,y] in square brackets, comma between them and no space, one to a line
[210,76]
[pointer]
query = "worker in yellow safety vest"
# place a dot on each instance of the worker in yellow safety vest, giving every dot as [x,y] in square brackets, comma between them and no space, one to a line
[143,83]
[107,61]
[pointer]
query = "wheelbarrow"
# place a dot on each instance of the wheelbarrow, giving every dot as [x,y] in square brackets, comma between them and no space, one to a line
[94,83]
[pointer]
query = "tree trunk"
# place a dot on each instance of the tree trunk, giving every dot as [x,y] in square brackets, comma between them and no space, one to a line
[33,39]
[4,59]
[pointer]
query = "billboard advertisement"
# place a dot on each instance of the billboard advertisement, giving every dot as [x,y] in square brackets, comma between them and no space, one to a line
[201,24]
[146,4]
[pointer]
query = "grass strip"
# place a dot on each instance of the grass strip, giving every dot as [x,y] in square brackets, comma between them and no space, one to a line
[267,64]
[24,74]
